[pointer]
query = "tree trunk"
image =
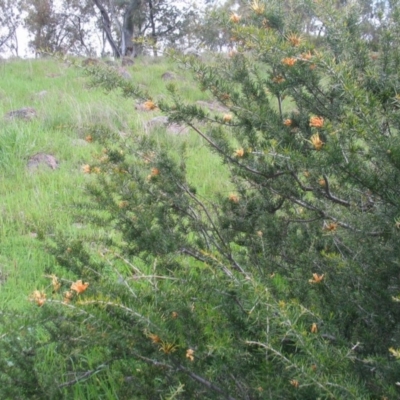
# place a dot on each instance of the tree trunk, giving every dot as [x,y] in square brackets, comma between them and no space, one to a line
[107,28]
[131,29]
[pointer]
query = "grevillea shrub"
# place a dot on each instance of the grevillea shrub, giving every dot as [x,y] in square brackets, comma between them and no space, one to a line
[285,287]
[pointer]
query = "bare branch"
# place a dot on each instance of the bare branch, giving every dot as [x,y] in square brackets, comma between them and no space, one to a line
[331,196]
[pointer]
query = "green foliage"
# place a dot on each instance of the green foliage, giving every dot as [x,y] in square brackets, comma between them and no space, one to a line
[284,287]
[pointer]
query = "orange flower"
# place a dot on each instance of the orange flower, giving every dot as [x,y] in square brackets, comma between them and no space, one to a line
[68,296]
[225,96]
[38,297]
[316,142]
[316,278]
[154,338]
[322,182]
[239,153]
[257,7]
[234,198]
[287,122]
[314,328]
[235,18]
[190,354]
[316,122]
[153,175]
[168,348]
[56,284]
[89,138]
[79,286]
[295,383]
[294,39]
[149,105]
[312,66]
[86,169]
[155,172]
[306,56]
[289,61]
[278,79]
[227,118]
[330,227]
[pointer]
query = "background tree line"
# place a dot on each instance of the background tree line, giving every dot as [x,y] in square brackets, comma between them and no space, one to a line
[120,28]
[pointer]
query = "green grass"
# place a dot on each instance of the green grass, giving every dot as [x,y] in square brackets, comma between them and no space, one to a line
[41,203]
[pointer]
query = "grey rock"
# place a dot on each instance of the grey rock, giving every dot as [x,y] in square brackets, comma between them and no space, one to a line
[42,159]
[172,128]
[168,76]
[124,73]
[87,62]
[26,113]
[127,61]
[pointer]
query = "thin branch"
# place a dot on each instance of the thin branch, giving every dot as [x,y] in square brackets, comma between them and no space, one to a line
[194,376]
[331,196]
[292,365]
[229,255]
[84,376]
[253,171]
[205,383]
[111,304]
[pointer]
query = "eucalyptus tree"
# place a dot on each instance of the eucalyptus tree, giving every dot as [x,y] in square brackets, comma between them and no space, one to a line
[10,20]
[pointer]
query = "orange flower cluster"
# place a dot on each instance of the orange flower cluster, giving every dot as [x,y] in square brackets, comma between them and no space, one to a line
[316,278]
[123,204]
[86,169]
[235,18]
[55,282]
[306,56]
[149,105]
[234,198]
[316,141]
[316,122]
[294,39]
[331,227]
[287,122]
[154,338]
[68,295]
[168,348]
[155,172]
[289,61]
[239,153]
[38,297]
[227,118]
[190,354]
[79,287]
[257,7]
[295,383]
[278,79]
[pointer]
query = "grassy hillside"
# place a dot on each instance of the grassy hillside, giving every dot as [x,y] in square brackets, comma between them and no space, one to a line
[41,202]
